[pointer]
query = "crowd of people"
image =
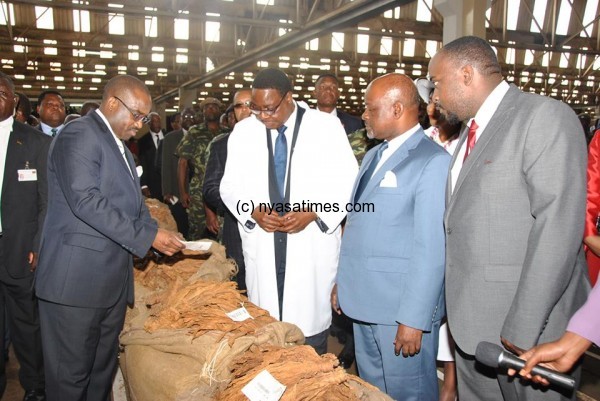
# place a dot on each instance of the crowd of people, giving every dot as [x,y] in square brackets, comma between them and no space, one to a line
[452,212]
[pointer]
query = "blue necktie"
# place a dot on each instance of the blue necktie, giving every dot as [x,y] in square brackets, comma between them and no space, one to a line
[364,180]
[280,159]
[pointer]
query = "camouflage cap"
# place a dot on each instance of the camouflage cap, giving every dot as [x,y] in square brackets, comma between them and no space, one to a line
[210,100]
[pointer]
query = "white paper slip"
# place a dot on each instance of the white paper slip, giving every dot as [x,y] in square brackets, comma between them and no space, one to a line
[264,387]
[197,245]
[29,174]
[239,315]
[174,200]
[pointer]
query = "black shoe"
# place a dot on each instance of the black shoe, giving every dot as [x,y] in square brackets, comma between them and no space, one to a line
[346,359]
[35,395]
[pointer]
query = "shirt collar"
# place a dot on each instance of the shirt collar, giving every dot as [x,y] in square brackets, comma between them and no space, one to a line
[489,107]
[7,124]
[400,139]
[117,139]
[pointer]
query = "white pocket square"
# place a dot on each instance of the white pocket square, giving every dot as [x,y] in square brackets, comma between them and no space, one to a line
[389,180]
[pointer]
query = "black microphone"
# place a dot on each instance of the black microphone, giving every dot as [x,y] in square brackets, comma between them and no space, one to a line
[495,357]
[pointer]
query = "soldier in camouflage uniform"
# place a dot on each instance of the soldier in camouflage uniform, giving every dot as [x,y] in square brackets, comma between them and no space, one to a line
[361,143]
[192,151]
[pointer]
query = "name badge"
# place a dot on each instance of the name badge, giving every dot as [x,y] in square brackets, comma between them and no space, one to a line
[29,174]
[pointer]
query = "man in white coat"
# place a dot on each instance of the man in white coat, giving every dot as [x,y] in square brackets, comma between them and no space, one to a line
[287,180]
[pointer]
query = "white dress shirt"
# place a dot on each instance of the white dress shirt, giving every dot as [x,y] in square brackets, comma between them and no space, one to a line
[46,129]
[483,117]
[5,131]
[394,145]
[117,140]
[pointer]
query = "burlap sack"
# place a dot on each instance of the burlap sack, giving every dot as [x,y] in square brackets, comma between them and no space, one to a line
[172,365]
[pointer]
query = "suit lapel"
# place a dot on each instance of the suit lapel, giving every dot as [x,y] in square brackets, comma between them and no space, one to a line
[14,151]
[494,127]
[395,159]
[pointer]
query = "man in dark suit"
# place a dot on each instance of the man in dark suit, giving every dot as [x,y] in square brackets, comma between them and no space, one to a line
[96,220]
[52,111]
[23,154]
[215,168]
[148,155]
[327,93]
[167,164]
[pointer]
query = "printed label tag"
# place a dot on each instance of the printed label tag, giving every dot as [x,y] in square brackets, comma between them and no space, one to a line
[264,387]
[239,315]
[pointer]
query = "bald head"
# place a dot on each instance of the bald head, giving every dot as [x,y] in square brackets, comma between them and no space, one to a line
[391,106]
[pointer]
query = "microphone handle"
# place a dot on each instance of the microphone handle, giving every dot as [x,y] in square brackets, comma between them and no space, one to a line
[565,381]
[511,361]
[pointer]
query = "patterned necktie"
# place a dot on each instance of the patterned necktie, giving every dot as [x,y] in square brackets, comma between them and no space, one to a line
[280,159]
[471,138]
[364,180]
[54,131]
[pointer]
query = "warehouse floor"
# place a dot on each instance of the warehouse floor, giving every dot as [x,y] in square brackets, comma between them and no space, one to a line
[590,388]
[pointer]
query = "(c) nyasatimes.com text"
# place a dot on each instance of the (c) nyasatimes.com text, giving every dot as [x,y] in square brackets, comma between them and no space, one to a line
[304,206]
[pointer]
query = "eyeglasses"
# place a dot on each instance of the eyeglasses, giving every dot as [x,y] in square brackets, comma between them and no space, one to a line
[240,105]
[268,112]
[144,118]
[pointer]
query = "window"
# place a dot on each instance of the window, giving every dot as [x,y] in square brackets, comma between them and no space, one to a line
[337,42]
[151,25]
[116,24]
[182,28]
[81,20]
[213,31]
[7,13]
[44,17]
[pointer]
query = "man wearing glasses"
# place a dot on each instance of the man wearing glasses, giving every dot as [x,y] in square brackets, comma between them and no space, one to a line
[96,219]
[298,161]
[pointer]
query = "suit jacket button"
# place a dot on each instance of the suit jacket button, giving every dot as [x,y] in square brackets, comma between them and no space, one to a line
[448,231]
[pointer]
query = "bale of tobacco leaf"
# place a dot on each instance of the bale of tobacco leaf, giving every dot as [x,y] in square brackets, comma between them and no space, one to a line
[305,374]
[183,343]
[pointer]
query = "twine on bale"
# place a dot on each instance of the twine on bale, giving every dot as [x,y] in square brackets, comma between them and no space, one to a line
[208,370]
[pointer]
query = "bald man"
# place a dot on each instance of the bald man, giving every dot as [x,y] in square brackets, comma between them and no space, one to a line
[391,268]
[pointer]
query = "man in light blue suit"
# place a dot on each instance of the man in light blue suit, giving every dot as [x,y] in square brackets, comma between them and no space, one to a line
[391,268]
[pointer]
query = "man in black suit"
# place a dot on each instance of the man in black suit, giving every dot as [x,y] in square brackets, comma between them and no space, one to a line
[215,167]
[23,153]
[167,164]
[327,93]
[96,220]
[148,156]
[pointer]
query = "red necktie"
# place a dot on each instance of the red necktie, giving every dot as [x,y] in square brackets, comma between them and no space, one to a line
[471,139]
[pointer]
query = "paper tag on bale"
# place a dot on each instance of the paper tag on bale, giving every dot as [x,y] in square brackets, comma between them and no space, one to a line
[239,315]
[264,387]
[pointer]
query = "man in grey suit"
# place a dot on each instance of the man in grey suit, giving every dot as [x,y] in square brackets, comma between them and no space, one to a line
[515,208]
[96,220]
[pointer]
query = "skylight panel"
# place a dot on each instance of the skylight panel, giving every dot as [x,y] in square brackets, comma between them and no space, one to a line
[424,10]
[7,12]
[539,12]
[337,41]
[182,28]
[81,21]
[589,14]
[362,43]
[44,17]
[385,48]
[213,31]
[564,16]
[116,24]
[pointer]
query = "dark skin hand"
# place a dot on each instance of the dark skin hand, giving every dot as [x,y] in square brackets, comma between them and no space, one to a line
[408,340]
[334,300]
[212,220]
[167,242]
[294,222]
[511,347]
[270,222]
[32,259]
